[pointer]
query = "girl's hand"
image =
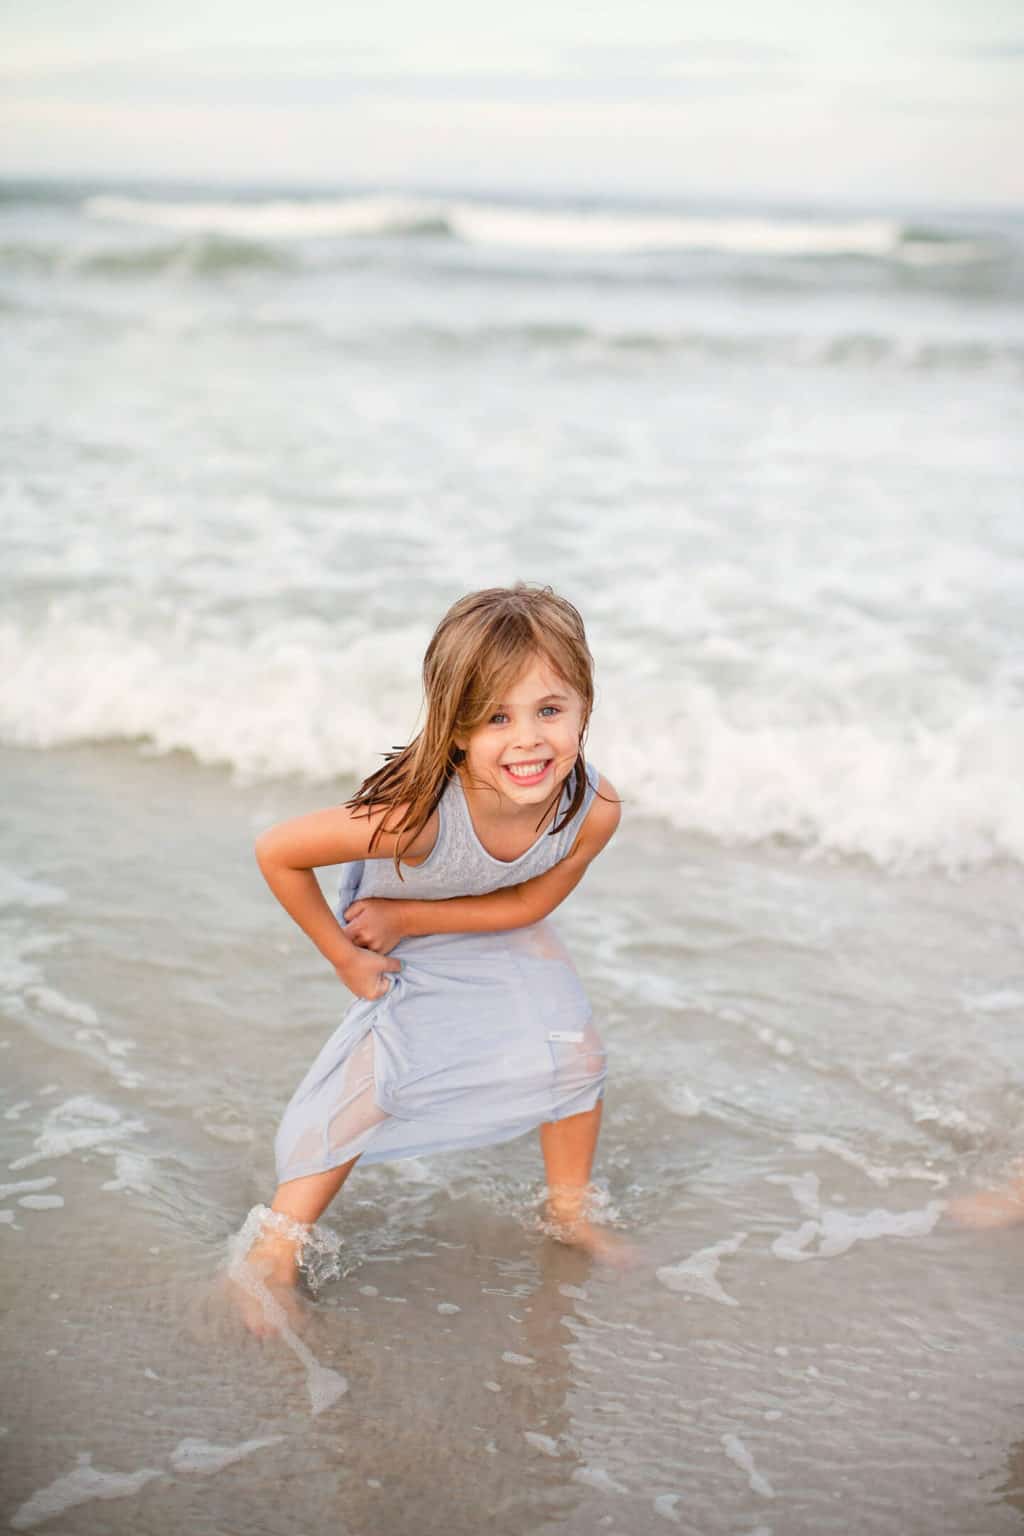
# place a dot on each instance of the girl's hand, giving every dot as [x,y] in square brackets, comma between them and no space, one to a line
[374,923]
[368,975]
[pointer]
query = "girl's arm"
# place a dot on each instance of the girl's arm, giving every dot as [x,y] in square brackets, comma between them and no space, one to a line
[379,922]
[288,854]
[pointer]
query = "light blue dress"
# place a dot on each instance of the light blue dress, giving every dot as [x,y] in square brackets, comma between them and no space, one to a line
[480,1036]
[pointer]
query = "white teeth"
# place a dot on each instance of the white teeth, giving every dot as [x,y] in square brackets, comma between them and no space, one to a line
[525,770]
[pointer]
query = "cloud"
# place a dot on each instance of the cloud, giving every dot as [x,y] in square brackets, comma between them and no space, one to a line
[329,76]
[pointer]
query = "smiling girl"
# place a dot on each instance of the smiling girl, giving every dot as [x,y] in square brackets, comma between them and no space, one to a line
[470,1025]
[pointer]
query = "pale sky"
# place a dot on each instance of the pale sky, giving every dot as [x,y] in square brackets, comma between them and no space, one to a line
[913,101]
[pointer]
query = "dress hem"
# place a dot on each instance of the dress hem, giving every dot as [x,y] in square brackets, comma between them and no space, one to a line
[490,1138]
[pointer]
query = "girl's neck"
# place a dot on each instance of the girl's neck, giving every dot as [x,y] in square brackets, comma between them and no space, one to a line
[506,821]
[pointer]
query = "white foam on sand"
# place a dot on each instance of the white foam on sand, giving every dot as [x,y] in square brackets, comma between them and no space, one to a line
[41,1202]
[682,1101]
[17,970]
[737,1452]
[76,1124]
[665,1505]
[836,1231]
[1000,1000]
[200,1456]
[881,1174]
[697,1275]
[112,1045]
[26,993]
[803,1187]
[543,1443]
[18,891]
[24,1186]
[52,1001]
[84,1483]
[131,1174]
[597,1477]
[87,1482]
[221,1131]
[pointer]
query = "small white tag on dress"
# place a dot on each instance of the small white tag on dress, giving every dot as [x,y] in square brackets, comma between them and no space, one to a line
[570,1036]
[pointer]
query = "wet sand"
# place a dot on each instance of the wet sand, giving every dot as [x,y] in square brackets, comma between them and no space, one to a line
[806,1062]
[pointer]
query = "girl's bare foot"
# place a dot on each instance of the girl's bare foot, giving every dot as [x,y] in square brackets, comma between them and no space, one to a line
[266,1310]
[601,1244]
[565,1220]
[989,1207]
[262,1286]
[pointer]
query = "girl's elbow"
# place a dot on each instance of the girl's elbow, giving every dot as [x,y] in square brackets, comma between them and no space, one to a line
[263,848]
[276,851]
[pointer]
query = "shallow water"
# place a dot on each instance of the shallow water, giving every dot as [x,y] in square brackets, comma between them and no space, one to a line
[256,448]
[806,1060]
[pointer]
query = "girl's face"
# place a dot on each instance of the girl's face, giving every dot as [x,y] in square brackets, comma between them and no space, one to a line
[536,730]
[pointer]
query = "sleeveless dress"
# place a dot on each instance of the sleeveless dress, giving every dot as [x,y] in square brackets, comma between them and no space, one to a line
[480,1036]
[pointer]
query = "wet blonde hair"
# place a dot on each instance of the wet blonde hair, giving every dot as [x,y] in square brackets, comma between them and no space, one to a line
[484,643]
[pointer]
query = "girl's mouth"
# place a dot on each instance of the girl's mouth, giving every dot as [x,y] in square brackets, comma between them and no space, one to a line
[527,778]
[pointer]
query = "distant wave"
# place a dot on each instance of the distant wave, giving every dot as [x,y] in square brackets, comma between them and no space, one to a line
[26,193]
[778,348]
[278,218]
[546,229]
[203,256]
[845,349]
[207,254]
[901,792]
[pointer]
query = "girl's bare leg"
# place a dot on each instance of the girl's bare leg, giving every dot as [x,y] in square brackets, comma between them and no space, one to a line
[274,1256]
[568,1147]
[305,1201]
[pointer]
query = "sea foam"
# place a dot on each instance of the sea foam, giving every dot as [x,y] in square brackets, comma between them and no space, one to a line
[533,228]
[902,792]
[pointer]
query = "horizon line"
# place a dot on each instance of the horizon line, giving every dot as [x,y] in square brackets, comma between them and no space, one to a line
[511,190]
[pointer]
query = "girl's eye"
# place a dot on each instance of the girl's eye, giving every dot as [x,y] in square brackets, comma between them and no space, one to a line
[500,714]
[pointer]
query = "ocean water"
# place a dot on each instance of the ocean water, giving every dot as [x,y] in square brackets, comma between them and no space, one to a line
[255,442]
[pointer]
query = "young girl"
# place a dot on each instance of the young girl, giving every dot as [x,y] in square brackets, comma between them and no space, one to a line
[470,1025]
